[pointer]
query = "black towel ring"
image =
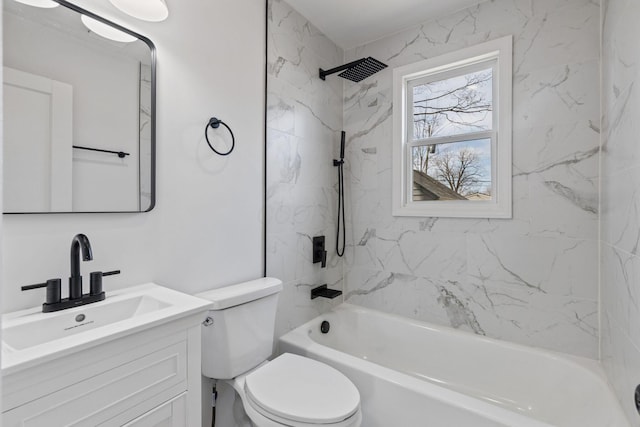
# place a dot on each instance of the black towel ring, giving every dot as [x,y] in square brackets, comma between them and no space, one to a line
[215,123]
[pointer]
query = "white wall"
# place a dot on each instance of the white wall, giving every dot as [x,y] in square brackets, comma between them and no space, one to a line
[531,279]
[206,229]
[620,220]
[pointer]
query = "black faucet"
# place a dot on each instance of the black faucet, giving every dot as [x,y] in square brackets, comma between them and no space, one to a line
[79,241]
[54,302]
[319,254]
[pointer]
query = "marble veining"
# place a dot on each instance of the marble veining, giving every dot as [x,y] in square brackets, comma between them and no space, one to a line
[620,200]
[574,158]
[588,203]
[458,312]
[304,117]
[531,279]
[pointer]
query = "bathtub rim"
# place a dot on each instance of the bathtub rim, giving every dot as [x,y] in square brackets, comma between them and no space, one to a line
[591,365]
[300,338]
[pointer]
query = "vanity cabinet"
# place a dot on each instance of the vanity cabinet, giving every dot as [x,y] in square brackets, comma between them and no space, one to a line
[172,413]
[149,378]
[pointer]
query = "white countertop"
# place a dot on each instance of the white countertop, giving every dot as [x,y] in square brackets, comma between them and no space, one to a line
[31,337]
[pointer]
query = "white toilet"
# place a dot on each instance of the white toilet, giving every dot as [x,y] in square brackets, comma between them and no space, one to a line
[290,390]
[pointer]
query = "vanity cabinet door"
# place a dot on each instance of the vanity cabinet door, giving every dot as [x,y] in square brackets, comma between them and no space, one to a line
[96,400]
[169,414]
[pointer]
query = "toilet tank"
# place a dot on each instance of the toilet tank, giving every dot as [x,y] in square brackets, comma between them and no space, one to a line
[241,334]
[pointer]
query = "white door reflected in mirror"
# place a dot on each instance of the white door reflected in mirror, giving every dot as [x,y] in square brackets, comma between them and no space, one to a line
[37,143]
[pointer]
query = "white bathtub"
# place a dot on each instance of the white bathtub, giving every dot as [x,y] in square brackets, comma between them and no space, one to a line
[414,374]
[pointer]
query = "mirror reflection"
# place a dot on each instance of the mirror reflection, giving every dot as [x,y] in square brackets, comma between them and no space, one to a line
[78,108]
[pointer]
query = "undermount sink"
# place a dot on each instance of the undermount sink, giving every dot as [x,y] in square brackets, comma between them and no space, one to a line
[30,336]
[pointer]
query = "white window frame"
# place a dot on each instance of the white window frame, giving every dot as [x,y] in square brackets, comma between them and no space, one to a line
[498,52]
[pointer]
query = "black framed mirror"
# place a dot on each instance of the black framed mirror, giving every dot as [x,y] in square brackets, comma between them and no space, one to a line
[79,112]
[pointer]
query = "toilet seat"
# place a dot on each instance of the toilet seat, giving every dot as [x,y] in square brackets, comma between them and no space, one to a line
[292,390]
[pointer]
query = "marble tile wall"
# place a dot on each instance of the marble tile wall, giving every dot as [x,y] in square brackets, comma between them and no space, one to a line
[304,120]
[532,279]
[620,216]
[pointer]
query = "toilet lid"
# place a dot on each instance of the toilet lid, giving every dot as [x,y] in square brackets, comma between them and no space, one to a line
[301,389]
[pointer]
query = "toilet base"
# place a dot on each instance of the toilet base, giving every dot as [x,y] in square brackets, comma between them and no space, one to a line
[229,408]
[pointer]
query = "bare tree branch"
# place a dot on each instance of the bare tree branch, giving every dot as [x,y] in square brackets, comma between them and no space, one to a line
[461,170]
[464,107]
[461,106]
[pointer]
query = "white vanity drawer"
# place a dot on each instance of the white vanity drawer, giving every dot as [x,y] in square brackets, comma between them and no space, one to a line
[170,414]
[99,398]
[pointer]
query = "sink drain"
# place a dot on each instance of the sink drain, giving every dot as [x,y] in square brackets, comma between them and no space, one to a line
[636,398]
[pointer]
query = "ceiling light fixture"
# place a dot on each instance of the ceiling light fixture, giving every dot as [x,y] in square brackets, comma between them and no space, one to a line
[47,4]
[146,10]
[106,31]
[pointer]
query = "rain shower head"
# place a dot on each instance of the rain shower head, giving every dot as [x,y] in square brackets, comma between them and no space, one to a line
[356,71]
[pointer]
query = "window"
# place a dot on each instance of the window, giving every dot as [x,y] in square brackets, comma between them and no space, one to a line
[452,134]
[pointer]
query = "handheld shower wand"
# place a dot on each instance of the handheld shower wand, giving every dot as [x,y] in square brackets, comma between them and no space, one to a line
[339,164]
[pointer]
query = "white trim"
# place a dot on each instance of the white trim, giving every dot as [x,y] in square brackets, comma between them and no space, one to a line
[459,137]
[500,206]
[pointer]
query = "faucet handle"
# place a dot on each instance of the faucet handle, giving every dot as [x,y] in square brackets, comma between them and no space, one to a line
[319,254]
[95,283]
[35,286]
[110,273]
[53,290]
